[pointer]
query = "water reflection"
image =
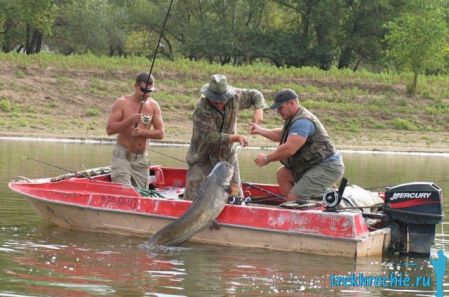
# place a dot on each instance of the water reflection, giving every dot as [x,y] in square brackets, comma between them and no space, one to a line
[52,261]
[41,260]
[57,262]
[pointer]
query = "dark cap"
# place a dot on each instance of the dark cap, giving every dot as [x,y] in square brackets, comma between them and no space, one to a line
[283,96]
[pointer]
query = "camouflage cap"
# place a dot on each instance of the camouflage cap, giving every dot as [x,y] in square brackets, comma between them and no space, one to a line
[218,89]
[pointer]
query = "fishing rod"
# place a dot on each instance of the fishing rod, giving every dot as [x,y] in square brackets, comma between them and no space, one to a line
[48,164]
[171,157]
[263,190]
[89,173]
[168,156]
[146,90]
[387,186]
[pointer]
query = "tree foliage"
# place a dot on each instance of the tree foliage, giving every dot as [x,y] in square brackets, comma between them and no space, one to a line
[292,33]
[418,40]
[25,23]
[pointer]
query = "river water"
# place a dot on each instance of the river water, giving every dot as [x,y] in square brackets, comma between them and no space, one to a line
[38,259]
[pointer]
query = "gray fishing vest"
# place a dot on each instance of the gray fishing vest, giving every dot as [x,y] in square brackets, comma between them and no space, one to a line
[317,148]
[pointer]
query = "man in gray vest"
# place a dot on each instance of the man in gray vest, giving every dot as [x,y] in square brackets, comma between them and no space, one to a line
[310,162]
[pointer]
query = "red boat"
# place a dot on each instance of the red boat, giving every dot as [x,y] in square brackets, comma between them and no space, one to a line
[90,201]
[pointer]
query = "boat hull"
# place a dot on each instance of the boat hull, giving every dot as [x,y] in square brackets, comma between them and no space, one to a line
[125,222]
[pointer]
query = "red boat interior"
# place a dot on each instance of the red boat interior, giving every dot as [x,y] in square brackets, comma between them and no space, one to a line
[170,183]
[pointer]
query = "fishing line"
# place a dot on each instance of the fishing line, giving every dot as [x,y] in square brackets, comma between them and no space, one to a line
[168,156]
[387,186]
[48,164]
[142,99]
[182,161]
[263,190]
[243,182]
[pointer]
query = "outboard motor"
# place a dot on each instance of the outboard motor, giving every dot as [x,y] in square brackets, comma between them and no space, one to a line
[413,209]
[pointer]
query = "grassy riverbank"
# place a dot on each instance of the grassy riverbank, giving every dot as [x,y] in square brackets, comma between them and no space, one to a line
[70,96]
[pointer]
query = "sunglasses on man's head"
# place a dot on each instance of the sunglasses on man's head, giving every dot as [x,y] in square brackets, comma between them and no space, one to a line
[147,90]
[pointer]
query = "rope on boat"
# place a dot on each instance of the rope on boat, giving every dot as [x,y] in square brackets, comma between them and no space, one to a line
[149,193]
[89,173]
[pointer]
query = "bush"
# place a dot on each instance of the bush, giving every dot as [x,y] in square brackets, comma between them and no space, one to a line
[92,112]
[5,105]
[403,124]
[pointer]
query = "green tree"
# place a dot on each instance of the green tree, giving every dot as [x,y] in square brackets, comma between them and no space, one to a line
[360,39]
[316,26]
[117,24]
[218,29]
[25,23]
[418,40]
[98,26]
[147,19]
[81,26]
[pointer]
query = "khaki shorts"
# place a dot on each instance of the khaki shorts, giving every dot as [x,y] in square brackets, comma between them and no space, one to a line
[131,170]
[318,179]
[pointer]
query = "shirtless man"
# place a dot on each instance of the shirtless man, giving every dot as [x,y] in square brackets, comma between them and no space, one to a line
[129,158]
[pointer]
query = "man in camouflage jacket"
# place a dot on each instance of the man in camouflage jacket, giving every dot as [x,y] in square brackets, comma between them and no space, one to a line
[214,130]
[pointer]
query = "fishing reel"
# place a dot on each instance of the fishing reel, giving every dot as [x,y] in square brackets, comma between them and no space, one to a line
[332,197]
[238,201]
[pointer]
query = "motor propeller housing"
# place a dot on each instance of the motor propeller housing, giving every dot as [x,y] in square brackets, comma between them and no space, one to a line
[413,209]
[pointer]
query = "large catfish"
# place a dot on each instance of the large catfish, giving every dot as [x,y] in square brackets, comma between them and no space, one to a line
[211,200]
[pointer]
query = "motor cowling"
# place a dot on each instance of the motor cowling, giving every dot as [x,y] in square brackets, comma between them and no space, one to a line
[414,209]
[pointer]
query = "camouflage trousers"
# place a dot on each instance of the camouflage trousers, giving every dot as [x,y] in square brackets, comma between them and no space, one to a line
[197,174]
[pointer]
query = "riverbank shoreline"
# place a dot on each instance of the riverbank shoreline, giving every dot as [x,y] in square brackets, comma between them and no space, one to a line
[66,97]
[178,143]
